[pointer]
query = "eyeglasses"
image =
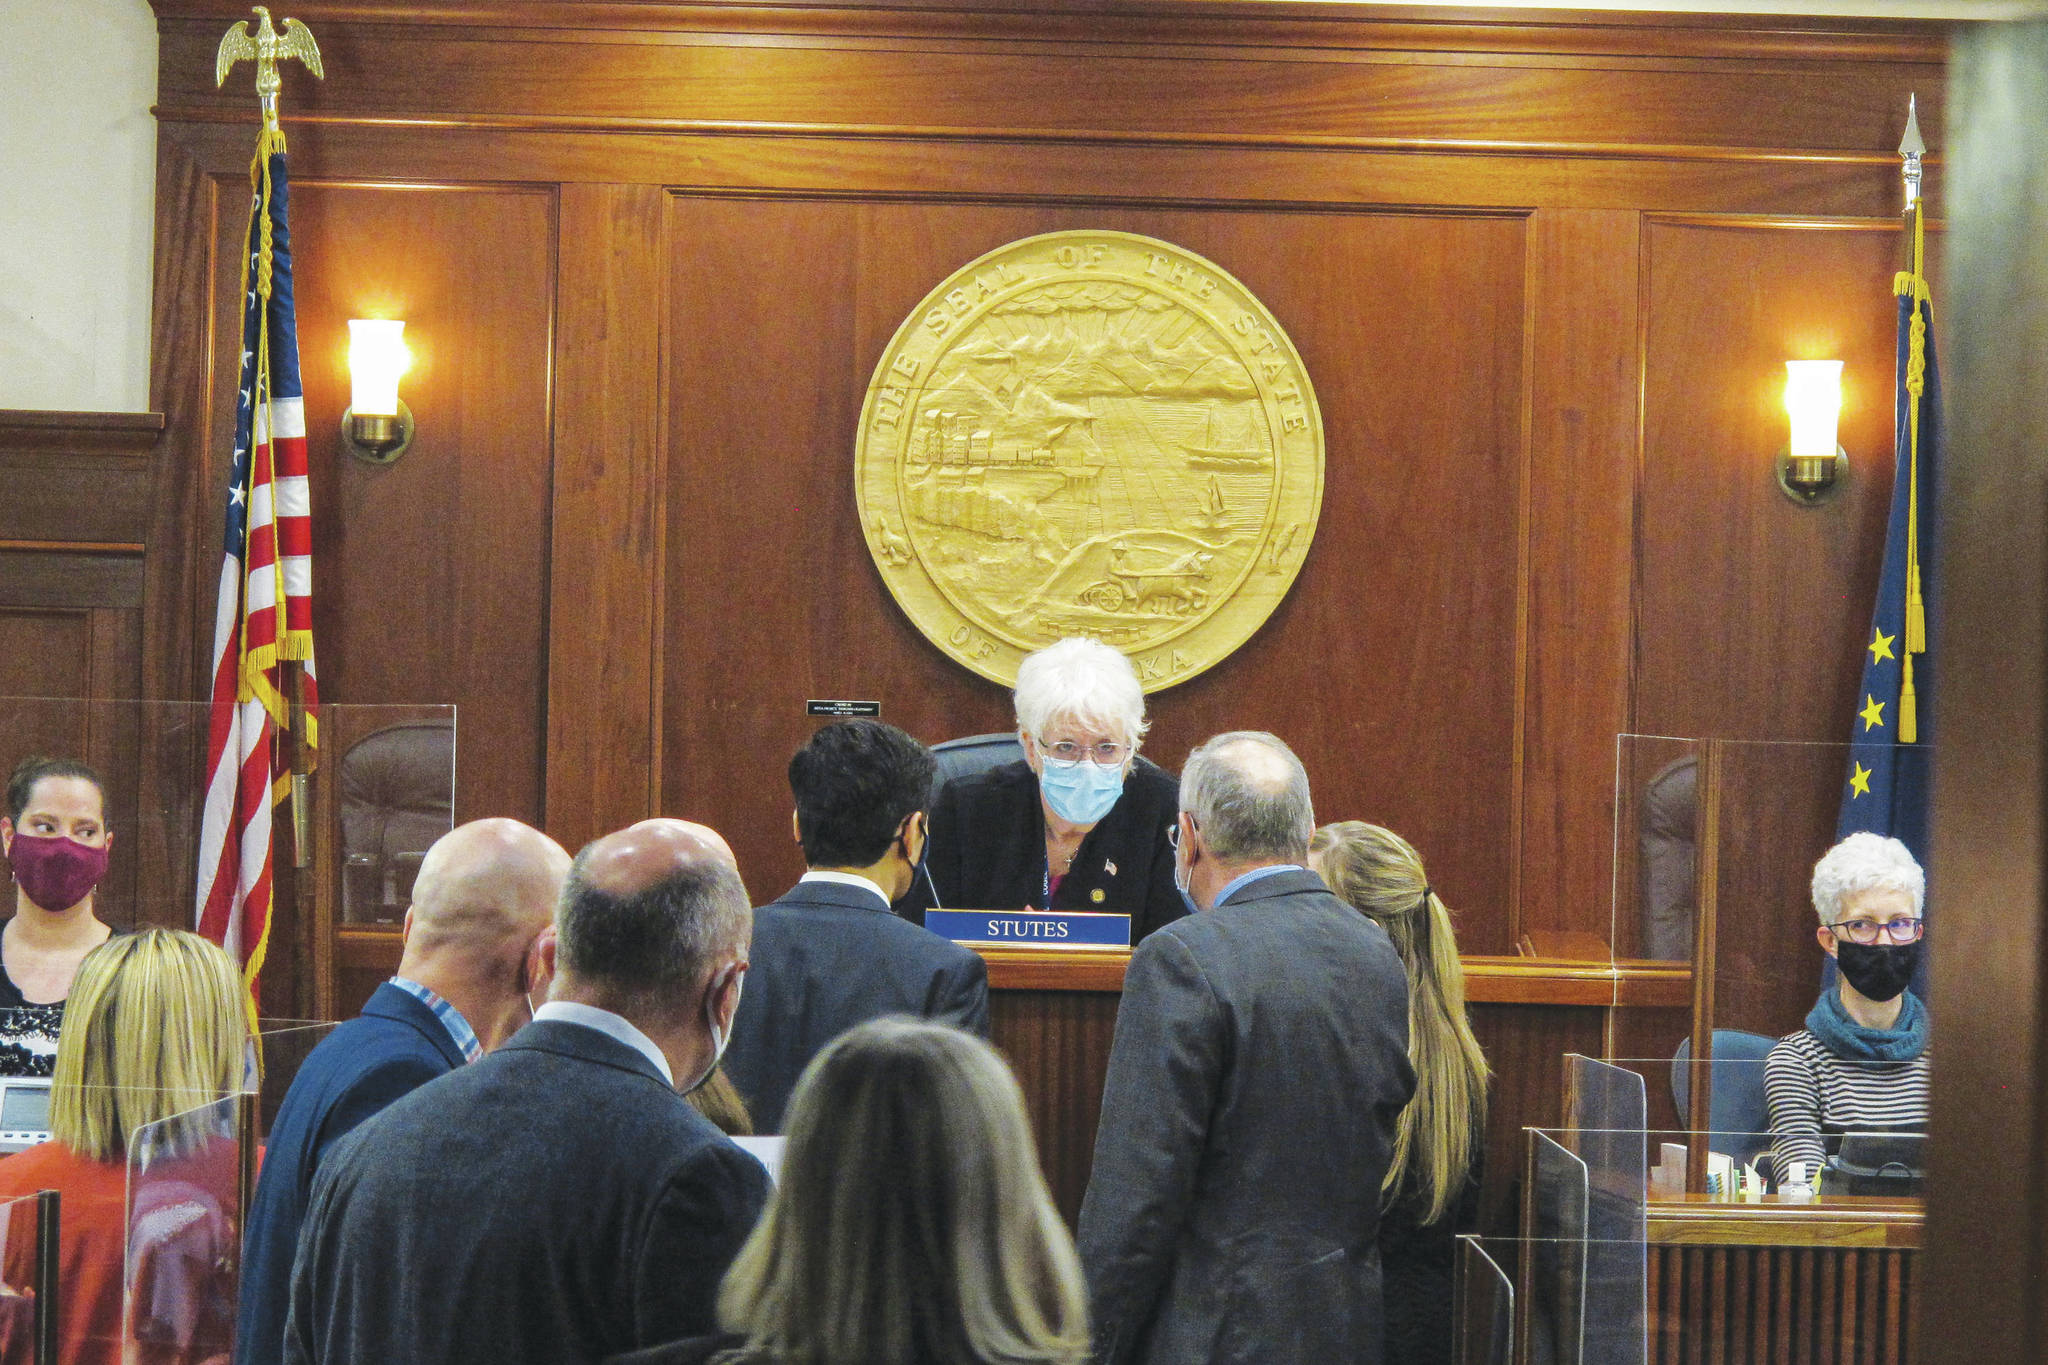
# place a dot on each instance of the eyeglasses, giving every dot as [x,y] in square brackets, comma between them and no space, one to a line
[1066,751]
[1867,931]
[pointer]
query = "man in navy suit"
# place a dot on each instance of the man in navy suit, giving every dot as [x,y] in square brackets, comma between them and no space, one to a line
[559,1202]
[831,954]
[472,958]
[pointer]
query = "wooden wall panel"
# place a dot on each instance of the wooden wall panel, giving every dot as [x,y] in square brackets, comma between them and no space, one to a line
[1754,611]
[431,573]
[1198,71]
[1579,485]
[606,519]
[1391,661]
[1542,270]
[73,538]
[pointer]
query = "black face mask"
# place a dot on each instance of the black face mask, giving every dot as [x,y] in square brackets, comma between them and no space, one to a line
[1879,971]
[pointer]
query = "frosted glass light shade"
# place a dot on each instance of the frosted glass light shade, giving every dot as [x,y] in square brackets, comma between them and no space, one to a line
[377,356]
[1813,400]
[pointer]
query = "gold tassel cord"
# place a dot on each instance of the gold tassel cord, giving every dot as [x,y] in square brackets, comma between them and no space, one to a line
[1913,285]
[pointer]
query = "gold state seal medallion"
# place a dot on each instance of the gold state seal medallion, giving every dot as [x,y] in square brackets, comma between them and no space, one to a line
[1090,433]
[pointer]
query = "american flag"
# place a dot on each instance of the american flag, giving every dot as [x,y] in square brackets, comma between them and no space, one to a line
[265,611]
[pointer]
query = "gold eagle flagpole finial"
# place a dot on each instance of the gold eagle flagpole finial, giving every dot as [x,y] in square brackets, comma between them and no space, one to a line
[267,47]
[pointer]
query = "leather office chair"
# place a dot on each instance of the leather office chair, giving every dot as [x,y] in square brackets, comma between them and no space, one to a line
[397,798]
[1739,1119]
[972,754]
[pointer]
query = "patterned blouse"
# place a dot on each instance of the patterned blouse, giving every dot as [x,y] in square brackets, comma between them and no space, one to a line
[28,1033]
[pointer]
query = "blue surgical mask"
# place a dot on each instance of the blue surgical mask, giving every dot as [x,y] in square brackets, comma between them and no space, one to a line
[1080,791]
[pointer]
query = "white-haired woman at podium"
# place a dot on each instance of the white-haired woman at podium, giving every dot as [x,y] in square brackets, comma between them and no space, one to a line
[911,1224]
[1081,823]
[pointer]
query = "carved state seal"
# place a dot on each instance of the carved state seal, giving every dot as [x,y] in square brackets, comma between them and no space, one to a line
[1090,433]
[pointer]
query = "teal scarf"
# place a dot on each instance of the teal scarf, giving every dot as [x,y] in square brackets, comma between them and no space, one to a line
[1849,1040]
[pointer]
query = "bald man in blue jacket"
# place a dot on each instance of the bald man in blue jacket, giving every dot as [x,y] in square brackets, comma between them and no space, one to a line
[481,908]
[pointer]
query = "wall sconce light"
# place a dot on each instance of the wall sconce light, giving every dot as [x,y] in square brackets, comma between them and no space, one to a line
[378,426]
[1813,461]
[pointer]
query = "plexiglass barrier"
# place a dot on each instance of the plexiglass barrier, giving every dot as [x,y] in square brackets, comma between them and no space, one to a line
[1714,847]
[382,791]
[1554,1299]
[182,1259]
[24,1282]
[281,1047]
[1763,1117]
[1606,1117]
[1527,1301]
[1484,1319]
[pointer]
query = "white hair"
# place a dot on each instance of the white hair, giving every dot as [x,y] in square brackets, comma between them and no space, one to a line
[1080,680]
[1865,862]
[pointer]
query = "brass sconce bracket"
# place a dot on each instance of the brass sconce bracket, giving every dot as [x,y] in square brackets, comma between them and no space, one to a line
[378,440]
[1811,480]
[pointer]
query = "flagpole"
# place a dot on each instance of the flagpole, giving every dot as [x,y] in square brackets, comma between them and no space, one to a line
[1912,285]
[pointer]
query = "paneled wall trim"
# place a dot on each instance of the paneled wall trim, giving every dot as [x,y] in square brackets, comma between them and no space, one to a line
[650,253]
[76,542]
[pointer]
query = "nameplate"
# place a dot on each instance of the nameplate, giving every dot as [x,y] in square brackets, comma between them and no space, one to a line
[1032,928]
[843,708]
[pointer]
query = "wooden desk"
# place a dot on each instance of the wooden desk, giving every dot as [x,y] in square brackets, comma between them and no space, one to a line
[1053,1014]
[1774,1284]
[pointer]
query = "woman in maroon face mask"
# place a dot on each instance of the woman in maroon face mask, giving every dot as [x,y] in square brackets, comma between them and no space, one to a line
[56,839]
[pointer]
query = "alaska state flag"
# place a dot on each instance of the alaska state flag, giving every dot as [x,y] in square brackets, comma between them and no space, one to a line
[1886,787]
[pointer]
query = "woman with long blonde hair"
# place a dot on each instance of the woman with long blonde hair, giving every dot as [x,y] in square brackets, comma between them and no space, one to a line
[1432,1184]
[910,1224]
[153,1034]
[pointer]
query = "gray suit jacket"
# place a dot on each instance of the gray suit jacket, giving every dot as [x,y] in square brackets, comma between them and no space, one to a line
[554,1203]
[1260,1062]
[828,956]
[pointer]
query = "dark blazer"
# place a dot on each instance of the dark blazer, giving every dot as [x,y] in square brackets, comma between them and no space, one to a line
[828,956]
[988,849]
[555,1203]
[392,1048]
[1259,1064]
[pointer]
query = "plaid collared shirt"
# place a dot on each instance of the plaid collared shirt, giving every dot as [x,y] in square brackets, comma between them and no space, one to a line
[459,1031]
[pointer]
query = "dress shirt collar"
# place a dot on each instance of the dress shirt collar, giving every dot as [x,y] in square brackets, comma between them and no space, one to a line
[1238,883]
[459,1032]
[611,1025]
[818,874]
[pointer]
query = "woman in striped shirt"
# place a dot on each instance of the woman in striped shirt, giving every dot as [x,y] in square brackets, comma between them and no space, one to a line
[1860,1064]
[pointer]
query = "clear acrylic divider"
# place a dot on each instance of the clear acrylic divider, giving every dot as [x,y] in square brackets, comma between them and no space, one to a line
[182,1261]
[382,793]
[1607,1119]
[279,1049]
[1714,849]
[1743,1129]
[20,1273]
[1553,1300]
[1483,1330]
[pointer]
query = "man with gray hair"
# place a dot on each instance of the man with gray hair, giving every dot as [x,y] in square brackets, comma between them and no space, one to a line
[1259,1065]
[559,1201]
